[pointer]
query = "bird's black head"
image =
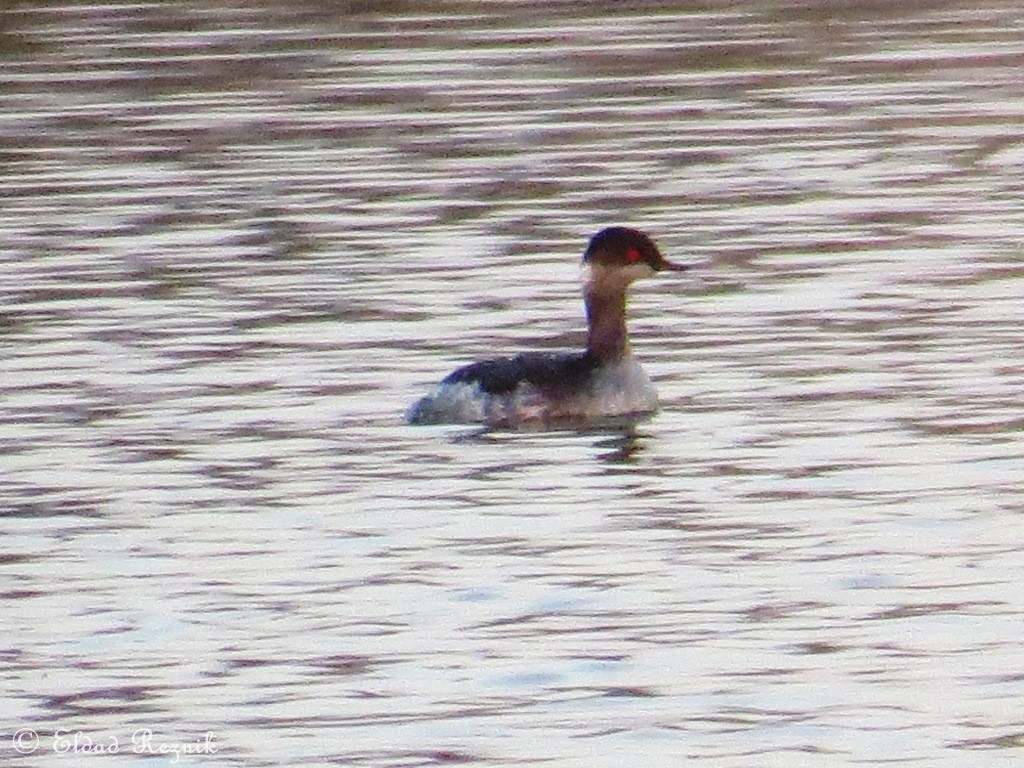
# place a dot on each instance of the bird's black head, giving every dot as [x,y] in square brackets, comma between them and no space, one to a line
[624,247]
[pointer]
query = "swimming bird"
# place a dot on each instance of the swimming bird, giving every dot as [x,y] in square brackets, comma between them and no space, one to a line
[601,381]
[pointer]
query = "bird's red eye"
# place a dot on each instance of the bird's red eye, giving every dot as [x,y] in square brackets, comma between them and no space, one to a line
[633,256]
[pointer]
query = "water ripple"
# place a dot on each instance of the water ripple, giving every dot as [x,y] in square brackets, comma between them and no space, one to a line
[239,240]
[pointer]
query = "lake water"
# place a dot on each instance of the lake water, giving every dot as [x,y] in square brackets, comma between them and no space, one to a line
[238,239]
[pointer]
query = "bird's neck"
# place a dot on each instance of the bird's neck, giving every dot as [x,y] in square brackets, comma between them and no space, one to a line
[606,322]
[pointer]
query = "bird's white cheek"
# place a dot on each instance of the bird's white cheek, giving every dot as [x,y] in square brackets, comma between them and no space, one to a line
[598,277]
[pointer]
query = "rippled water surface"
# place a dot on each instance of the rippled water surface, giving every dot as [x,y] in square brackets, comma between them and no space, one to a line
[237,240]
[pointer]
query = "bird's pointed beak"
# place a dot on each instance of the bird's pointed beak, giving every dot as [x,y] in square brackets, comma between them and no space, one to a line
[673,267]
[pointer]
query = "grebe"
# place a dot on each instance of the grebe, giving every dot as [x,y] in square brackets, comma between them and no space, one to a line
[603,380]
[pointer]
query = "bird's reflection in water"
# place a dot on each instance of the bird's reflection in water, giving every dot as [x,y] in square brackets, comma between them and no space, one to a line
[618,439]
[622,448]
